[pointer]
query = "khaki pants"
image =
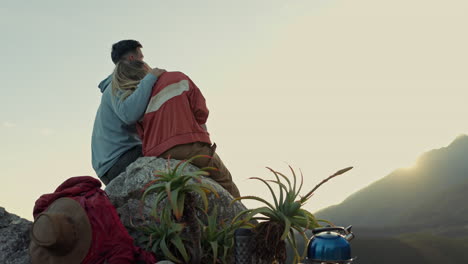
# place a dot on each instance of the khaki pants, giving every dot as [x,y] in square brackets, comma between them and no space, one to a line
[221,176]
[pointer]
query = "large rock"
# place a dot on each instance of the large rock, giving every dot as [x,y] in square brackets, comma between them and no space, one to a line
[125,193]
[14,238]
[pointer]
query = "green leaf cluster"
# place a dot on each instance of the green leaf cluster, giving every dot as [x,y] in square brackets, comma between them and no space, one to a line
[218,239]
[287,207]
[164,239]
[165,236]
[173,185]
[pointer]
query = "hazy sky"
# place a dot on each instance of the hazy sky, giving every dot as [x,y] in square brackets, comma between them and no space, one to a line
[317,84]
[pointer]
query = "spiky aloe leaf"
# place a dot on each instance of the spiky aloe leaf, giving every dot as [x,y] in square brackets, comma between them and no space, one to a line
[208,188]
[179,181]
[303,216]
[177,242]
[226,251]
[247,212]
[293,208]
[159,197]
[176,168]
[163,175]
[149,184]
[214,247]
[287,180]
[174,200]
[184,179]
[167,253]
[295,179]
[185,163]
[301,184]
[168,190]
[300,221]
[199,173]
[200,192]
[281,198]
[292,241]
[287,227]
[304,237]
[177,228]
[252,197]
[212,219]
[151,188]
[271,214]
[155,246]
[180,206]
[269,187]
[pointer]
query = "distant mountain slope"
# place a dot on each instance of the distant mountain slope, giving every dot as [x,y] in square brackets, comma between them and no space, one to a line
[384,251]
[443,210]
[430,194]
[416,248]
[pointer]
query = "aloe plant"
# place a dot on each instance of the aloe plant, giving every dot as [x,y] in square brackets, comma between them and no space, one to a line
[218,239]
[173,185]
[164,238]
[285,213]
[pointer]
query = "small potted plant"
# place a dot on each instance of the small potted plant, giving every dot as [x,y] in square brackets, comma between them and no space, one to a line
[279,220]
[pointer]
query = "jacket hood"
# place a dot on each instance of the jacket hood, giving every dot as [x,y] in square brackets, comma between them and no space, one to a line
[104,83]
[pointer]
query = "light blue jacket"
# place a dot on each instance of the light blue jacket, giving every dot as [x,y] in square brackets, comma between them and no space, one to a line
[114,131]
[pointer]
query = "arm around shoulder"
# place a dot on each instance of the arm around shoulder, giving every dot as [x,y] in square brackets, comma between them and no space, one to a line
[132,108]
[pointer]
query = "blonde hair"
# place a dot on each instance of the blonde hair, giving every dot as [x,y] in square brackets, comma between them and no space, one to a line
[126,76]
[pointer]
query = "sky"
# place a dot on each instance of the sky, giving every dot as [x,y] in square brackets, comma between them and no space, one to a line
[316,84]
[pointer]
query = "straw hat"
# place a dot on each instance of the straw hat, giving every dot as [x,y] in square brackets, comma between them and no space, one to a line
[61,234]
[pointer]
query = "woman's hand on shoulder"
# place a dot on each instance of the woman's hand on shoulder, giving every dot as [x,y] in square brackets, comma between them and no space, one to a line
[157,72]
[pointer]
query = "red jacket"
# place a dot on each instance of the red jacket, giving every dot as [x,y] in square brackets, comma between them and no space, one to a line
[111,242]
[174,115]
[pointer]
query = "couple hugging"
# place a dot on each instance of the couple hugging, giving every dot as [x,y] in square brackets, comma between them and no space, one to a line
[148,111]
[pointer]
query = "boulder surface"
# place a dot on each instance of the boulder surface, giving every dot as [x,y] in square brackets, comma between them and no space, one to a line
[125,193]
[14,238]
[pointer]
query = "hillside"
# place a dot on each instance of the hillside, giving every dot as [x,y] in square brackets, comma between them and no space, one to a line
[416,216]
[430,195]
[415,248]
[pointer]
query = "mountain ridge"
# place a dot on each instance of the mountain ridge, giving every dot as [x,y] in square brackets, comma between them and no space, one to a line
[398,197]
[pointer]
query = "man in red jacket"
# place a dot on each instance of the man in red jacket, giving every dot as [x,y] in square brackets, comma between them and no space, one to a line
[174,125]
[174,122]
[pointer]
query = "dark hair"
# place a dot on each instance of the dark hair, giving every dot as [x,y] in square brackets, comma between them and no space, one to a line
[122,48]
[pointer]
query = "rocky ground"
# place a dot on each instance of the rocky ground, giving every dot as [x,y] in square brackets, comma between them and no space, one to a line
[125,193]
[14,238]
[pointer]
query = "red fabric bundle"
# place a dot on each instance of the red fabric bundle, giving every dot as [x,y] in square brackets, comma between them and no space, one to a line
[111,241]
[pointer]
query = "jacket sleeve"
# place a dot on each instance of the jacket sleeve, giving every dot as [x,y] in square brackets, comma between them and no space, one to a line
[133,107]
[197,103]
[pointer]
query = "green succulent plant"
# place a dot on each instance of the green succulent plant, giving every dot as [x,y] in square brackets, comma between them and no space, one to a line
[285,214]
[218,239]
[173,184]
[164,238]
